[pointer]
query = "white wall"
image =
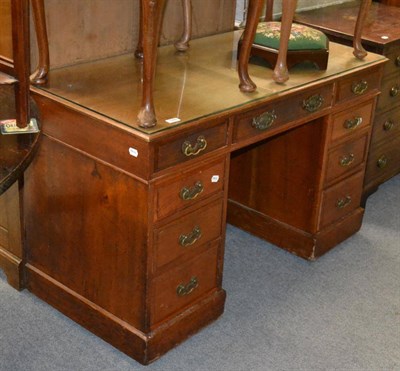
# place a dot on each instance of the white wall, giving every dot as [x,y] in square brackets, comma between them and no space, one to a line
[301,5]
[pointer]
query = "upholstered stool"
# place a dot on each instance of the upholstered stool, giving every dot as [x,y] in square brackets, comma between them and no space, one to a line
[305,44]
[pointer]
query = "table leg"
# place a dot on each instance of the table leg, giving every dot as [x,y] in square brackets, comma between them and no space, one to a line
[253,15]
[281,74]
[152,11]
[183,44]
[359,51]
[39,77]
[139,47]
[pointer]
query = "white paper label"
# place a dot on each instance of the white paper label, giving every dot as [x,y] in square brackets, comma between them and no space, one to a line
[173,120]
[215,179]
[133,152]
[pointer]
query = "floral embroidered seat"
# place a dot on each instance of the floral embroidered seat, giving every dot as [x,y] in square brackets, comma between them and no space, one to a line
[305,44]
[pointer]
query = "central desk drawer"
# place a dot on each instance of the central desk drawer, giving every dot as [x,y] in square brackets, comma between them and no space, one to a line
[177,288]
[346,157]
[185,191]
[284,111]
[186,234]
[341,199]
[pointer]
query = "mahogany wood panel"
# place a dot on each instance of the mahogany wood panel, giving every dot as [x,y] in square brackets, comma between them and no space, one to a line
[278,173]
[104,212]
[5,29]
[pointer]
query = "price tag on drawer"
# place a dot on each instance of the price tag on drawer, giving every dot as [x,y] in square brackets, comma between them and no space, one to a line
[215,179]
[133,152]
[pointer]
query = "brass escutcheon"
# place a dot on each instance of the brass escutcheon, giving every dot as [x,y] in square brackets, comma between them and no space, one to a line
[353,123]
[397,61]
[347,160]
[264,121]
[183,290]
[189,239]
[341,203]
[382,162]
[189,150]
[187,193]
[313,103]
[359,87]
[388,125]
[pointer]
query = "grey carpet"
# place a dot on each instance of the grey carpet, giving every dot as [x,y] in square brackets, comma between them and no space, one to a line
[341,312]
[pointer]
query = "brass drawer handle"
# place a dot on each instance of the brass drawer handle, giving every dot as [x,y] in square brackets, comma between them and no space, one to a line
[347,160]
[397,61]
[264,121]
[360,87]
[394,91]
[388,125]
[382,162]
[189,239]
[313,103]
[184,290]
[191,193]
[341,203]
[189,150]
[353,123]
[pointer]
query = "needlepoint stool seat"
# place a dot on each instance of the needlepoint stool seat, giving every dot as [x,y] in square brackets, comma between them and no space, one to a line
[305,44]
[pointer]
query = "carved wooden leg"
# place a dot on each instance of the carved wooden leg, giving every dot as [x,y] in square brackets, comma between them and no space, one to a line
[281,74]
[183,44]
[253,15]
[39,77]
[139,47]
[152,17]
[359,51]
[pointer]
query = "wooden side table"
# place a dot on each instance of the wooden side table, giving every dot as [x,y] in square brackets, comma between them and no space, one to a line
[381,35]
[16,153]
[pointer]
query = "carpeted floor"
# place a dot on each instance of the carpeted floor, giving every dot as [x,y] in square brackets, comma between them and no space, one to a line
[341,312]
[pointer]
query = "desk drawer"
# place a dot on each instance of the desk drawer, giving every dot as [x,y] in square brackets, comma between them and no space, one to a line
[393,65]
[358,84]
[383,161]
[181,286]
[348,123]
[185,147]
[346,158]
[390,92]
[184,191]
[188,233]
[341,199]
[386,126]
[269,117]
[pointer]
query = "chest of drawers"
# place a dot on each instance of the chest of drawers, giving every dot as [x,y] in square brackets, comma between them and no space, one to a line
[381,35]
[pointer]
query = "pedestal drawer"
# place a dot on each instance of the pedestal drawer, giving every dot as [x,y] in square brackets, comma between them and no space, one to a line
[348,123]
[390,92]
[185,191]
[341,199]
[177,288]
[346,158]
[188,233]
[386,126]
[358,85]
[190,145]
[383,161]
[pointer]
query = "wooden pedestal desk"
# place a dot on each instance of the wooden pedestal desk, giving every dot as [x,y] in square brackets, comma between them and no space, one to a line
[125,226]
[381,35]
